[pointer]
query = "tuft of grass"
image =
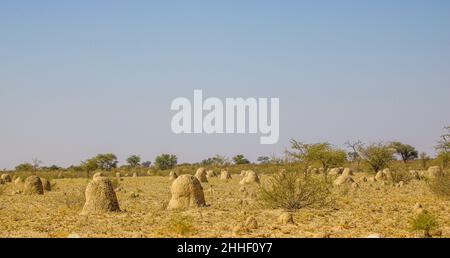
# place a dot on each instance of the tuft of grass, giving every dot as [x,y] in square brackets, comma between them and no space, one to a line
[292,191]
[425,222]
[440,185]
[74,200]
[115,182]
[400,175]
[181,225]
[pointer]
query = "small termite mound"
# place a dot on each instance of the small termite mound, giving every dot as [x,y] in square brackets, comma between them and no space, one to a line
[201,175]
[46,184]
[100,197]
[173,175]
[187,192]
[33,185]
[251,177]
[225,175]
[6,178]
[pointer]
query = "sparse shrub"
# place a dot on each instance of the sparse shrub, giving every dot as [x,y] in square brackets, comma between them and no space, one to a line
[377,155]
[292,191]
[181,225]
[440,185]
[424,159]
[401,175]
[323,153]
[425,222]
[73,201]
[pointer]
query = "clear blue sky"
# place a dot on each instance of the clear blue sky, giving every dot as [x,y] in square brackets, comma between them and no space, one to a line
[79,78]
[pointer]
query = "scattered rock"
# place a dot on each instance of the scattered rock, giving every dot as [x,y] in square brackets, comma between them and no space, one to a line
[347,172]
[388,174]
[335,171]
[380,176]
[18,180]
[134,195]
[73,235]
[342,179]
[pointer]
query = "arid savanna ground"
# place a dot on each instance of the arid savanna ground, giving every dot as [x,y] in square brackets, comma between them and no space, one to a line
[372,208]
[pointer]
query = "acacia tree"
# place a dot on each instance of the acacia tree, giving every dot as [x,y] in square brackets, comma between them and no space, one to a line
[405,151]
[263,159]
[134,161]
[424,158]
[106,162]
[324,153]
[240,159]
[166,161]
[443,147]
[146,164]
[377,155]
[36,163]
[24,167]
[353,153]
[217,160]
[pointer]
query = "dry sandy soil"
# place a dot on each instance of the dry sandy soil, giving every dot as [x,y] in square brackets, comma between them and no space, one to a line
[357,212]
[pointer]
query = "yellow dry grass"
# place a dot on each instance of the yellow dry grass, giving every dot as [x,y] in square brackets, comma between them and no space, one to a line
[357,212]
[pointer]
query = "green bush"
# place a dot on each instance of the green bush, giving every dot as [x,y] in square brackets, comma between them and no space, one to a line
[425,222]
[292,191]
[166,161]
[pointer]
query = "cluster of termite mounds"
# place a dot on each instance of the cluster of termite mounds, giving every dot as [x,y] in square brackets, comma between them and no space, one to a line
[32,185]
